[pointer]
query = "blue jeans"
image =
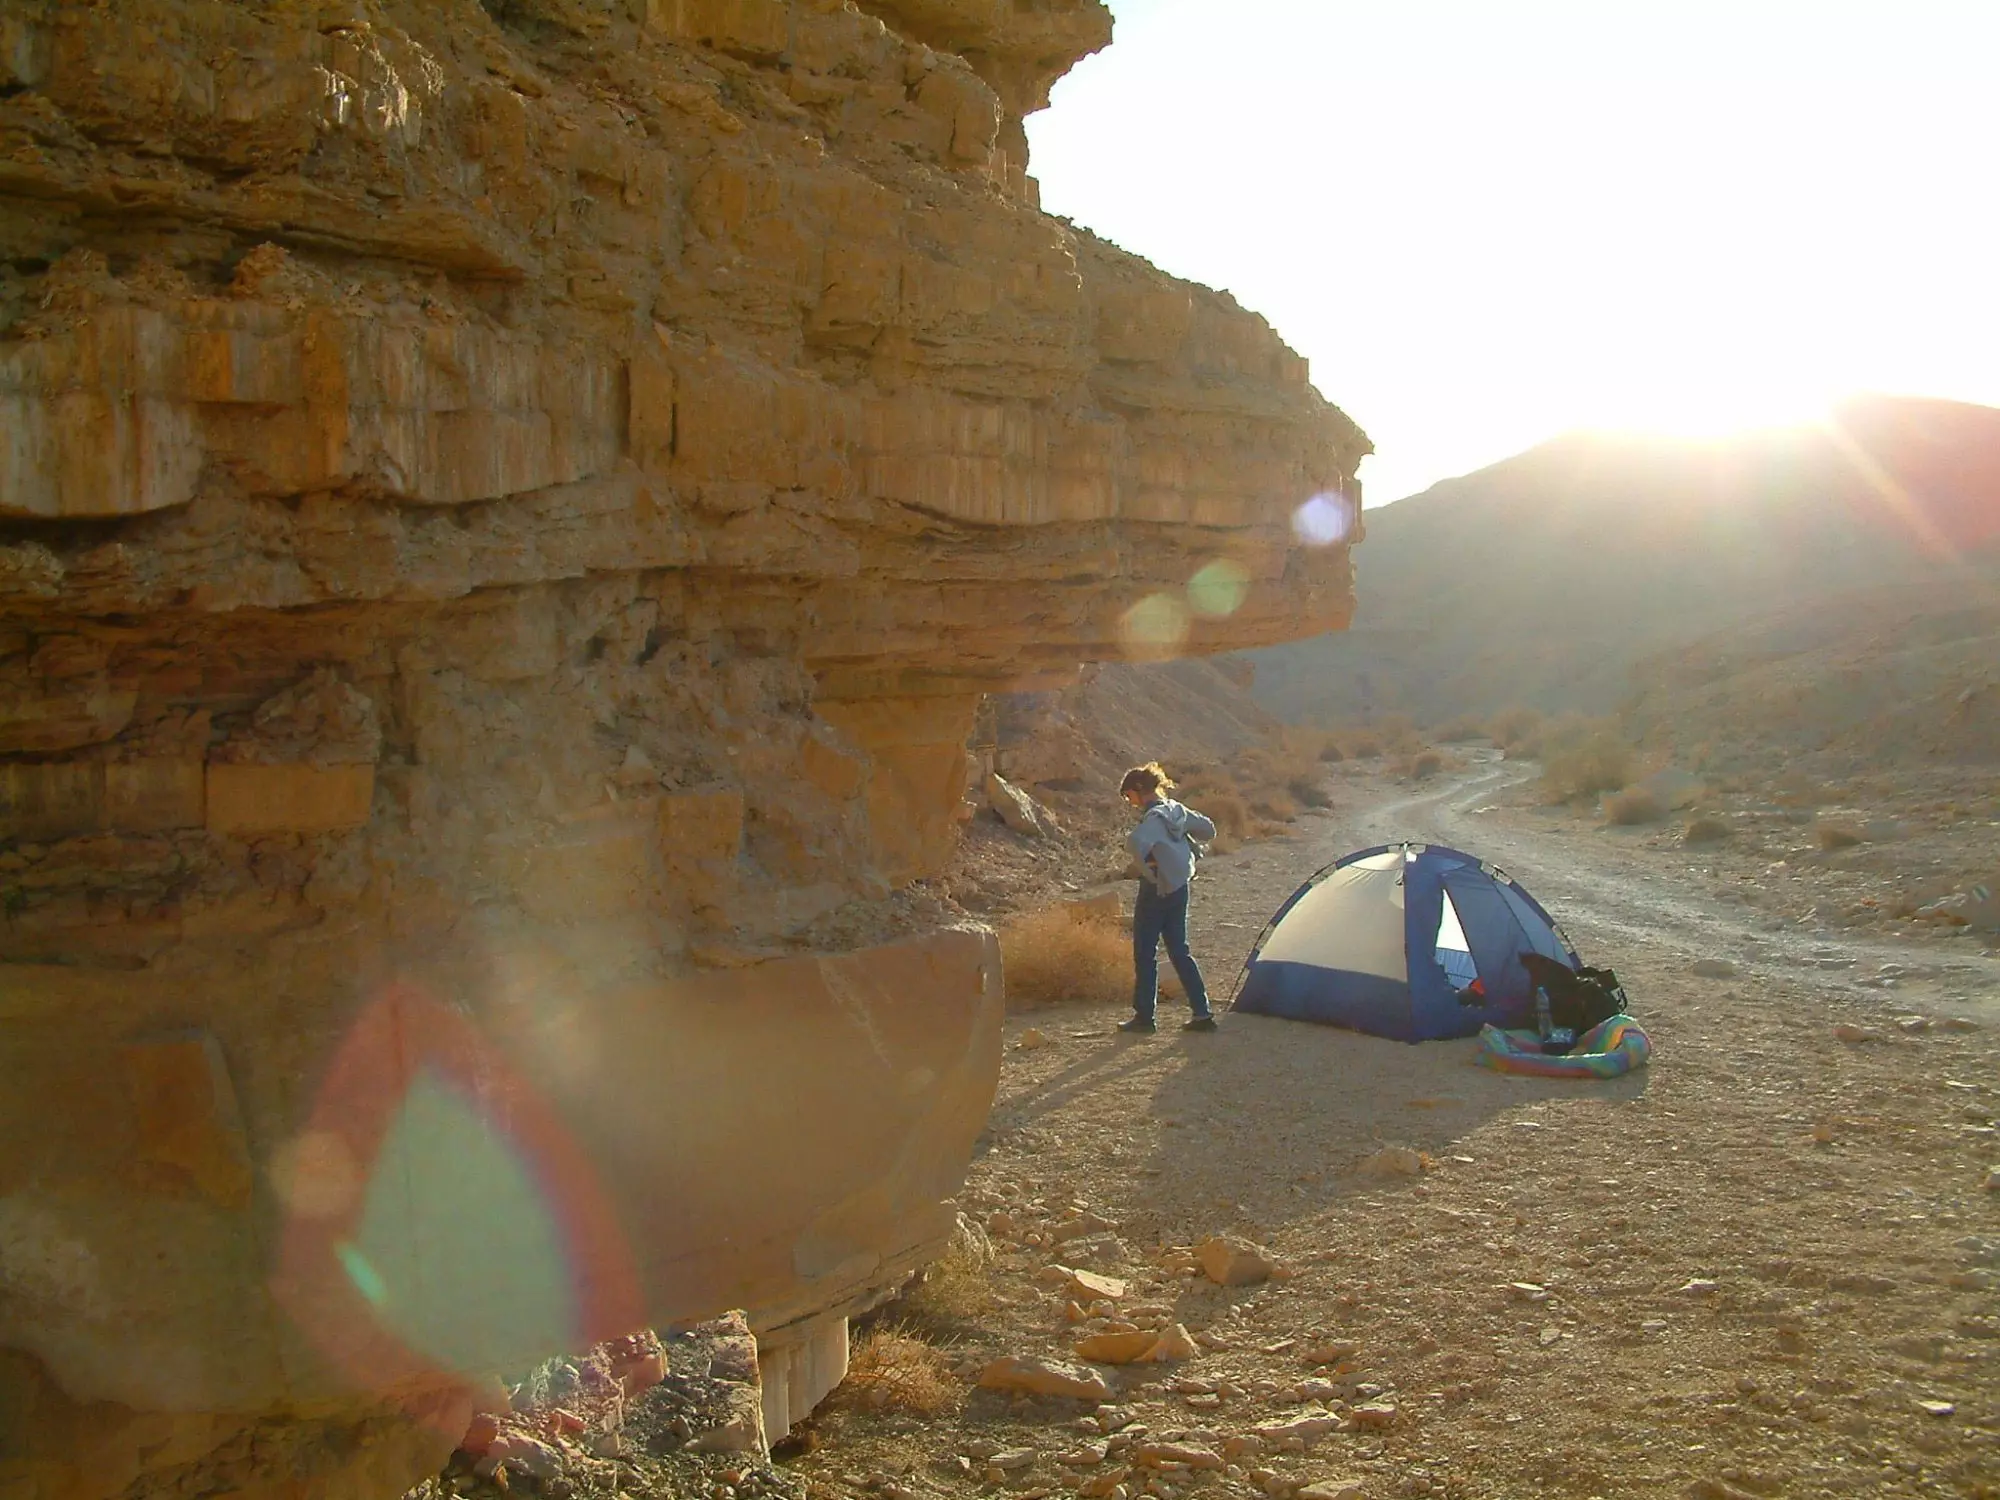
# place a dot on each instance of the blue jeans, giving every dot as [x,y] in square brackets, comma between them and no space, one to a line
[1155,917]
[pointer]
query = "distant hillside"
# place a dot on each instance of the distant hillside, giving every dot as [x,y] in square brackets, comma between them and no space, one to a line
[1119,715]
[1544,579]
[1880,677]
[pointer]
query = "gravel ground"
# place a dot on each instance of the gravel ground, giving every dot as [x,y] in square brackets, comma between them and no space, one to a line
[1765,1266]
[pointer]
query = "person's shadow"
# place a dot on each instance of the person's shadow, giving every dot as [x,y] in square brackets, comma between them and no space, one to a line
[1270,1124]
[1271,1121]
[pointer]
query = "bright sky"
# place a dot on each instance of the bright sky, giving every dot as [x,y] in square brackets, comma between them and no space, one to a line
[1487,221]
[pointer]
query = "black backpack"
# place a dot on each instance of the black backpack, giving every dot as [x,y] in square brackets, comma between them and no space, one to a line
[1579,998]
[1606,983]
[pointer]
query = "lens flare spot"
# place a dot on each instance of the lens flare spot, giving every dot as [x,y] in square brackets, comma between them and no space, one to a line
[361,1271]
[1154,627]
[1219,589]
[1324,520]
[455,1223]
[315,1176]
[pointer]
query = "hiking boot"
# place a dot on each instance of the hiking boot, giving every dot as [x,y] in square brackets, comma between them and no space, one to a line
[1139,1026]
[1201,1023]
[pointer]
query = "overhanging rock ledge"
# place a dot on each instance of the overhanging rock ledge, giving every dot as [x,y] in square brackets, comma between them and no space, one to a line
[507,513]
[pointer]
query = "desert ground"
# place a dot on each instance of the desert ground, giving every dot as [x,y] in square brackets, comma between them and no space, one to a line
[1763,1266]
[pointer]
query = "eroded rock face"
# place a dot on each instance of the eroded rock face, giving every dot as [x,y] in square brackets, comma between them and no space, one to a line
[507,513]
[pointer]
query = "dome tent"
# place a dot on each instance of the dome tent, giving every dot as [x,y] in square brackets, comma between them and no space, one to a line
[1383,941]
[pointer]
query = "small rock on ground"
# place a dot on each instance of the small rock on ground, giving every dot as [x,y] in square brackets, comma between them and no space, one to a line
[1228,1260]
[1043,1377]
[1332,1489]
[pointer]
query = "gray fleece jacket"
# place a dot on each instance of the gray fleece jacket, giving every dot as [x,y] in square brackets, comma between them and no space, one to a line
[1160,843]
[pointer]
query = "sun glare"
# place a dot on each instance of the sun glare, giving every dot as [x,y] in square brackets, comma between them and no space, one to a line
[1699,410]
[1685,217]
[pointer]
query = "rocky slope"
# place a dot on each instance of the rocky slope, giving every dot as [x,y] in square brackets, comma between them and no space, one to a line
[507,514]
[1886,678]
[1544,579]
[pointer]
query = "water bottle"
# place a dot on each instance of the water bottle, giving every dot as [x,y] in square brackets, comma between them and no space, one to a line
[1554,1038]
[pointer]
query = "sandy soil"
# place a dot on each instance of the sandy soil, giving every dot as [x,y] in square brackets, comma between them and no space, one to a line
[1758,1259]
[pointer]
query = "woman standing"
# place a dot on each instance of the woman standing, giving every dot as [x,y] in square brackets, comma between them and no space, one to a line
[1166,864]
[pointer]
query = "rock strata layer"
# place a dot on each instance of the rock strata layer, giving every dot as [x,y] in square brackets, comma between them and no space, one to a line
[507,513]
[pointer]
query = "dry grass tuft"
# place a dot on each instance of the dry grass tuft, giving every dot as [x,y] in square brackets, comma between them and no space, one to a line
[1424,765]
[1059,956]
[1705,830]
[1831,837]
[1633,806]
[1583,757]
[953,1290]
[892,1370]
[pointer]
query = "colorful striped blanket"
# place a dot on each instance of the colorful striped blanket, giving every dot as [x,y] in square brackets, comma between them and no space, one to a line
[1607,1050]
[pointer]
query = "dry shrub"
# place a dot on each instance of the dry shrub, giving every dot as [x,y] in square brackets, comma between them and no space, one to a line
[1275,805]
[1330,753]
[1462,730]
[1200,776]
[1393,735]
[1514,728]
[1230,814]
[1425,765]
[1059,956]
[1583,757]
[1252,797]
[1705,830]
[1401,735]
[1275,777]
[1256,767]
[1303,743]
[1633,806]
[1308,791]
[892,1370]
[1796,790]
[1831,836]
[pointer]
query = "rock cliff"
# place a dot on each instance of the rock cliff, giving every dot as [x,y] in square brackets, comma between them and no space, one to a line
[507,512]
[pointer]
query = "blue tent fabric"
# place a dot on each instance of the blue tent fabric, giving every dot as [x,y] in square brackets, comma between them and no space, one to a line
[1299,992]
[1344,980]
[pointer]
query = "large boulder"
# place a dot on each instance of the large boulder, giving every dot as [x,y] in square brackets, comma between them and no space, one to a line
[1015,807]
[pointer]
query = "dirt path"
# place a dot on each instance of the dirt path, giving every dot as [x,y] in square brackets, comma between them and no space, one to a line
[1617,898]
[1757,1260]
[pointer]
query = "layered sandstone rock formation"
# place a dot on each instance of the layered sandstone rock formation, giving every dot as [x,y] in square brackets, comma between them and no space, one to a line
[507,513]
